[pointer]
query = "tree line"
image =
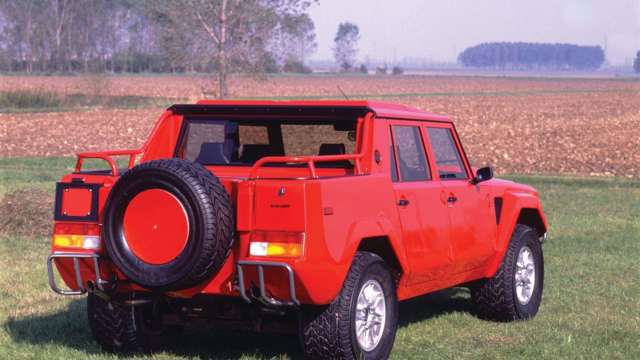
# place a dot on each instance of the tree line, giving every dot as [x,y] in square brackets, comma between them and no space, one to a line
[527,56]
[154,35]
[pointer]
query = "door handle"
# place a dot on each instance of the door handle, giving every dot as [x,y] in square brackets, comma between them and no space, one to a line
[403,202]
[452,199]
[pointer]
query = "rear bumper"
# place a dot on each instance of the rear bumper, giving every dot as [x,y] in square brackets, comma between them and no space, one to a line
[247,294]
[263,297]
[75,257]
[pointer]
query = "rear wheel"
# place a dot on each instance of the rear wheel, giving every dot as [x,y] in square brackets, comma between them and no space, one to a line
[361,322]
[515,291]
[122,328]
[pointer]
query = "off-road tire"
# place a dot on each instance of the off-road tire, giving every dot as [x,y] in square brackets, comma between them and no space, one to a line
[329,332]
[210,216]
[496,298]
[125,329]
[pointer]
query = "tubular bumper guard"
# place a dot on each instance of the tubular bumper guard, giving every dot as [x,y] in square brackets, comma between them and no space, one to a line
[76,269]
[264,298]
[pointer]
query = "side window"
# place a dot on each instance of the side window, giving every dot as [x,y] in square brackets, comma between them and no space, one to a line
[392,159]
[413,162]
[448,160]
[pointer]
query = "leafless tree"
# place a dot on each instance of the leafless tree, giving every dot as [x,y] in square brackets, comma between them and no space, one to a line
[221,36]
[239,32]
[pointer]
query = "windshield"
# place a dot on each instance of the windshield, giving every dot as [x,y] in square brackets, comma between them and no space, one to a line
[243,142]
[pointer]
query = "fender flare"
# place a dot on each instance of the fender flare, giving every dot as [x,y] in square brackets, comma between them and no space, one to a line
[376,227]
[342,258]
[373,227]
[514,203]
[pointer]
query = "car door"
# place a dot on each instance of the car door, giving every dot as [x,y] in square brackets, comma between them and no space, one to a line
[473,226]
[425,223]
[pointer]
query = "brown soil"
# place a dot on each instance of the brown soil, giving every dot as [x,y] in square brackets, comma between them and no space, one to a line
[587,127]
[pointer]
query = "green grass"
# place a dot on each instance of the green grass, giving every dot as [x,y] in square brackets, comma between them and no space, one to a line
[42,172]
[590,309]
[16,173]
[28,99]
[33,101]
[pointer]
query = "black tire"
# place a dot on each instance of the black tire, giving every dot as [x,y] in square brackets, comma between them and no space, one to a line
[209,214]
[120,328]
[496,298]
[329,332]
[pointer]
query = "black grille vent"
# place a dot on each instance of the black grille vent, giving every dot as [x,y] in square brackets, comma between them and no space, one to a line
[497,202]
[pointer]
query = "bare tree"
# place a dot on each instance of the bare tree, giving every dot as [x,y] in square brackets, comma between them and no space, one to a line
[221,36]
[21,19]
[59,16]
[297,39]
[239,31]
[346,42]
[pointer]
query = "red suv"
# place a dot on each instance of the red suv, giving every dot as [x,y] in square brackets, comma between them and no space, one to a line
[310,217]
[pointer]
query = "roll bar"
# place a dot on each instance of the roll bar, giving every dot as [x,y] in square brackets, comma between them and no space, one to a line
[132,153]
[363,127]
[108,157]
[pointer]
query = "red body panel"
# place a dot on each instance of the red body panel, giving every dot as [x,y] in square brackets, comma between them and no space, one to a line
[76,202]
[435,243]
[156,214]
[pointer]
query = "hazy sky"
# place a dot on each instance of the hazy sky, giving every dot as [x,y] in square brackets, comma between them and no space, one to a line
[440,29]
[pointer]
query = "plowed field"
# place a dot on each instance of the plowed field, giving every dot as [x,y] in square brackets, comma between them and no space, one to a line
[523,125]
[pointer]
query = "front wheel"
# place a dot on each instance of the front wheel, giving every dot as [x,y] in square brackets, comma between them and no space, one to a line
[361,322]
[515,291]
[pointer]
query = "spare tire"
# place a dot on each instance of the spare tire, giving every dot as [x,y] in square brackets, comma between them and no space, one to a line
[168,224]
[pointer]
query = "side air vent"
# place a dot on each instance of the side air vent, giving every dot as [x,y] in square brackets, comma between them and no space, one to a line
[497,202]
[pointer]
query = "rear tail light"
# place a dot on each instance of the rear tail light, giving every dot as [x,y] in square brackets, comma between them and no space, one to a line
[276,244]
[79,236]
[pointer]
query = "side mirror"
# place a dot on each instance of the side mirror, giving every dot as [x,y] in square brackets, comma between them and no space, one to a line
[483,174]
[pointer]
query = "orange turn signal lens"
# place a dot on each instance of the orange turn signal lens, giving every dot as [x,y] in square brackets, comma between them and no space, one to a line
[275,249]
[276,243]
[90,242]
[80,236]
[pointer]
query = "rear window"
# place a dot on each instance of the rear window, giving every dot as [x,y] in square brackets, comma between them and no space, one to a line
[308,139]
[228,142]
[200,133]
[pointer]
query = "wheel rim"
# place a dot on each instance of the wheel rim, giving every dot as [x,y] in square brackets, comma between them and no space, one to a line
[525,276]
[371,311]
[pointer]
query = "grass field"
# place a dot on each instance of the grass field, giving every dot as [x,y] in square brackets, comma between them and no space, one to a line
[590,308]
[24,101]
[591,305]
